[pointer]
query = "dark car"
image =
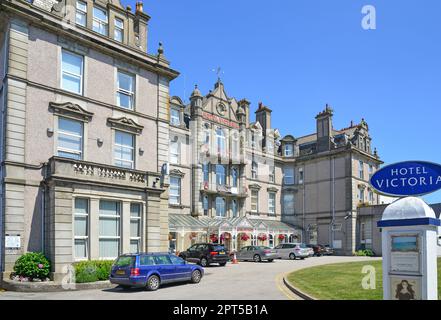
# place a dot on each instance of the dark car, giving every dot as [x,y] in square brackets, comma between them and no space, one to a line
[328,250]
[206,254]
[150,270]
[319,250]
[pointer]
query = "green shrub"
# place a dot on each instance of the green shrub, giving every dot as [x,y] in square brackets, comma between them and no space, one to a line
[92,270]
[33,265]
[365,253]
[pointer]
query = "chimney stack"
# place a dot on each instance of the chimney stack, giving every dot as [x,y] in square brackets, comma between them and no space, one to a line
[139,6]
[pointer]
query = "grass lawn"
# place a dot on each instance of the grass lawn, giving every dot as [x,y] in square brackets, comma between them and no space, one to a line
[342,281]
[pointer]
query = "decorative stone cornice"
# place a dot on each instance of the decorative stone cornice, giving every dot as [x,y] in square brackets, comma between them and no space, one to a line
[126,124]
[72,110]
[177,173]
[255,186]
[272,189]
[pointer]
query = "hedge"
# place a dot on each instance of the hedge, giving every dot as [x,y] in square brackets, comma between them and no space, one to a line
[92,270]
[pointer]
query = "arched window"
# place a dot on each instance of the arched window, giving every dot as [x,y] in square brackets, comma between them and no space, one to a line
[220,174]
[220,141]
[220,207]
[235,177]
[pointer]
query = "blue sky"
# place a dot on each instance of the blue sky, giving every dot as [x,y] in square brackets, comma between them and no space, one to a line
[298,55]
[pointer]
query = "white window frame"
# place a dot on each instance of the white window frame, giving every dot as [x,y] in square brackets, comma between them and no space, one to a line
[272,174]
[272,203]
[178,188]
[175,121]
[254,197]
[254,170]
[301,175]
[224,206]
[286,176]
[119,29]
[85,238]
[234,214]
[361,194]
[360,169]
[125,92]
[138,219]
[104,23]
[221,144]
[66,150]
[289,150]
[80,11]
[175,154]
[132,148]
[80,76]
[100,237]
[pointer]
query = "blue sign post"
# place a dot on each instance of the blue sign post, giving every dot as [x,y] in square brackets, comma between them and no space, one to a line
[409,178]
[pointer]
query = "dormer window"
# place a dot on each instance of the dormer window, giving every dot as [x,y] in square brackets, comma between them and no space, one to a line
[100,21]
[81,13]
[175,117]
[289,150]
[119,30]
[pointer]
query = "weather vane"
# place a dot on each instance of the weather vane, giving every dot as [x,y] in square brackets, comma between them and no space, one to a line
[218,71]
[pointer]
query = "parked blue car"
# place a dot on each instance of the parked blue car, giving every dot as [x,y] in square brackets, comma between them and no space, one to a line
[150,270]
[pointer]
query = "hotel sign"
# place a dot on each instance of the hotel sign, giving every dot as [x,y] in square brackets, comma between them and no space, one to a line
[220,120]
[410,178]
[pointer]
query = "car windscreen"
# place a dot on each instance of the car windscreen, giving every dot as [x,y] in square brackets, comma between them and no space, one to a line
[303,246]
[263,248]
[125,261]
[218,248]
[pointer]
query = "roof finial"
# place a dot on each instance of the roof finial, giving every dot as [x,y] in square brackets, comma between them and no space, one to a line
[160,49]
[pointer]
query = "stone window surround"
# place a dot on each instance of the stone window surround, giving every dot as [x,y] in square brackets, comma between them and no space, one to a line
[93,220]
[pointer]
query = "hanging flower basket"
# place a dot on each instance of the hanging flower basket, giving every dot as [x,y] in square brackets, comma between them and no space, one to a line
[244,237]
[213,238]
[281,236]
[262,237]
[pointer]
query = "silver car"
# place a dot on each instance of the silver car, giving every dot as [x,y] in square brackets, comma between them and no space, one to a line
[292,251]
[256,254]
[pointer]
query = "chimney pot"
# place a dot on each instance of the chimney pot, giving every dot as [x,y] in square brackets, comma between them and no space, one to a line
[139,6]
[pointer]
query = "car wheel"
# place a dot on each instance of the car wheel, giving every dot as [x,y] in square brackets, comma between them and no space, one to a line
[292,256]
[223,264]
[153,283]
[204,262]
[196,276]
[257,258]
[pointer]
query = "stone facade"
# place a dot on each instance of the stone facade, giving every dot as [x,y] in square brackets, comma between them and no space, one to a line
[70,153]
[98,159]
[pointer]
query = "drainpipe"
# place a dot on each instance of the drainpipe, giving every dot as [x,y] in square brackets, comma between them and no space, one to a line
[333,202]
[43,207]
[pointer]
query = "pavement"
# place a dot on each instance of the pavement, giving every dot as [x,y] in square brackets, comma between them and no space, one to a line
[243,281]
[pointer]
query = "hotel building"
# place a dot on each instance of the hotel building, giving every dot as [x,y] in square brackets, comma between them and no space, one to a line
[98,159]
